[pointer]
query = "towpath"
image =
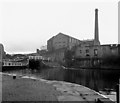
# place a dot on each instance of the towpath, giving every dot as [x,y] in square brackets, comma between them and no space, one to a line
[25,88]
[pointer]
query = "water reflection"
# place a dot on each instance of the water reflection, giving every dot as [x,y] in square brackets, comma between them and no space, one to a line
[94,79]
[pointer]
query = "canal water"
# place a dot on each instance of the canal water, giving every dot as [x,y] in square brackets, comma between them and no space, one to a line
[99,80]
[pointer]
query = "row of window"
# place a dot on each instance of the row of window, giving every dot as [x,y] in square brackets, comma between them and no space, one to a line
[10,64]
[87,52]
[72,40]
[62,42]
[61,45]
[35,57]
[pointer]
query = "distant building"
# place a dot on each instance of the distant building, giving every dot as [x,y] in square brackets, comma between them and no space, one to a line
[110,50]
[11,63]
[43,47]
[40,52]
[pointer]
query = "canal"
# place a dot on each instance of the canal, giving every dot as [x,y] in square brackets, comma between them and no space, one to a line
[99,80]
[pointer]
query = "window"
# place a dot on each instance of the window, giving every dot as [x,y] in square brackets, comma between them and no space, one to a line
[80,51]
[87,52]
[70,40]
[95,52]
[87,55]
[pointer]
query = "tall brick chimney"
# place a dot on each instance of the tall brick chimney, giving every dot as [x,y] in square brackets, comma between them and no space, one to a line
[96,35]
[96,25]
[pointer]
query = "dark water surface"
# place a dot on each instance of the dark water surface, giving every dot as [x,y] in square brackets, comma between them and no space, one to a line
[92,78]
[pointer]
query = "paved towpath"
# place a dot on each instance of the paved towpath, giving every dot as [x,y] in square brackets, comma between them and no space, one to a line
[25,88]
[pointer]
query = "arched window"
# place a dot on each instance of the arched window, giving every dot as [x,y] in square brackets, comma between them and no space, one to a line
[87,52]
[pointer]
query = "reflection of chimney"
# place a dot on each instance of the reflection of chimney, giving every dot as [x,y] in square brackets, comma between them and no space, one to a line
[96,26]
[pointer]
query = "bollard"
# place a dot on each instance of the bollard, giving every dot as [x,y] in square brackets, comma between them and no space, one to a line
[14,77]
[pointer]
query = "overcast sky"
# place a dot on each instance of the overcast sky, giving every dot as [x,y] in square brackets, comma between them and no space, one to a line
[27,25]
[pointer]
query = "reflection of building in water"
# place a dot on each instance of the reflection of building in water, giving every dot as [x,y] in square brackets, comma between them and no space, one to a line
[57,45]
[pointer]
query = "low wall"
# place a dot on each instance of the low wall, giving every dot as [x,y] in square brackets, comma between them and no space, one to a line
[8,68]
[87,62]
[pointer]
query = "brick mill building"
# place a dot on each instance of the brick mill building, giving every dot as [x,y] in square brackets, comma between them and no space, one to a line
[83,49]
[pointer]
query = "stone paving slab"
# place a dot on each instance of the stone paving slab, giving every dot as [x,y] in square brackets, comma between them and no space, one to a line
[70,98]
[75,92]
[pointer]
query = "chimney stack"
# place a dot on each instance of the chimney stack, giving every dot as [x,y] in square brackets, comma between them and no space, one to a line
[96,26]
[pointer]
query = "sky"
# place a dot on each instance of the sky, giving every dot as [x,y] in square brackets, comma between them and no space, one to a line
[26,25]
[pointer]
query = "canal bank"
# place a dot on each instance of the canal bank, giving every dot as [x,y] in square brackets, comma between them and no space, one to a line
[25,88]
